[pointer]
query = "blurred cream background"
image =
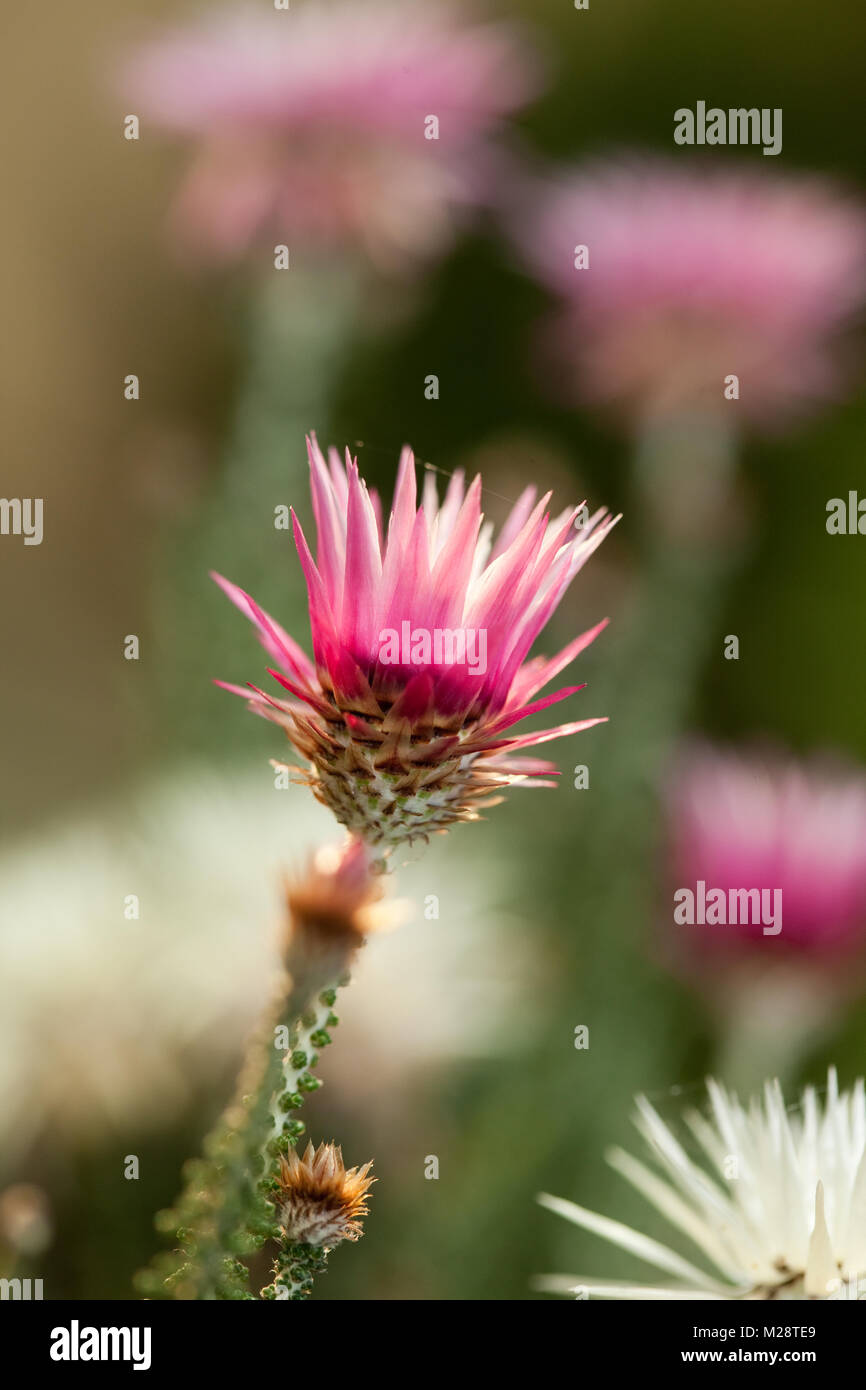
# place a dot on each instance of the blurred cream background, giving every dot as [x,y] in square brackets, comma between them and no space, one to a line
[108,1023]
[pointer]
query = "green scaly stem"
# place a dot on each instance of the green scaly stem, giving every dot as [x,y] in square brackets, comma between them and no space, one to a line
[297,1263]
[225,1210]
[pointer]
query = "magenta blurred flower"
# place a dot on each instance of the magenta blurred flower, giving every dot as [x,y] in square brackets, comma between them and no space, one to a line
[743,823]
[420,639]
[695,275]
[315,123]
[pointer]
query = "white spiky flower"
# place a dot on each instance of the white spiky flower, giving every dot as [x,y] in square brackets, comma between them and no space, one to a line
[776,1203]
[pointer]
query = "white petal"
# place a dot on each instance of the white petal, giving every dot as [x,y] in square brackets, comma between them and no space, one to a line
[640,1245]
[852,1246]
[678,1212]
[572,1286]
[821,1268]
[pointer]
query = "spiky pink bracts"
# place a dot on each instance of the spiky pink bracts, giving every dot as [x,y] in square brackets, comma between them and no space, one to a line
[420,638]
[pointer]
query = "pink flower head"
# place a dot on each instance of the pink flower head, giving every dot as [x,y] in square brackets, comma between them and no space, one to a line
[737,823]
[318,122]
[696,274]
[420,637]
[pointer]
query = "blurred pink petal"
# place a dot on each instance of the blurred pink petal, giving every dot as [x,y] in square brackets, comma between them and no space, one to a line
[694,274]
[310,123]
[740,822]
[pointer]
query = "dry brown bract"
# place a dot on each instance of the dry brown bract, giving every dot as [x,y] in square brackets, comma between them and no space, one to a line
[320,1201]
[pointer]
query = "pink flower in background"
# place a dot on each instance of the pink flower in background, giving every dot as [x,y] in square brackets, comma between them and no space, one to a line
[314,122]
[695,274]
[738,822]
[421,631]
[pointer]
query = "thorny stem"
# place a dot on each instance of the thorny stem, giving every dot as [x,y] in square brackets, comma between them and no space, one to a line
[306,1039]
[219,1215]
[296,1264]
[224,1211]
[295,1268]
